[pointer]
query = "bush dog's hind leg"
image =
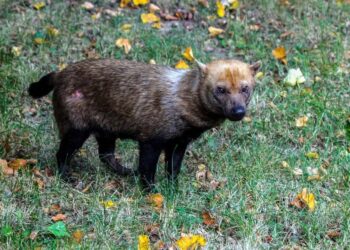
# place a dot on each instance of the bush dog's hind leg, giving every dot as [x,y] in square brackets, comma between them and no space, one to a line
[106,150]
[174,154]
[149,155]
[71,141]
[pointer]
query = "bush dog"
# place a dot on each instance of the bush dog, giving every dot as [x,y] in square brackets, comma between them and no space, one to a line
[162,108]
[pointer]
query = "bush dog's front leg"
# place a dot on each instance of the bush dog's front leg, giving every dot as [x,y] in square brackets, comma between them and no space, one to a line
[149,155]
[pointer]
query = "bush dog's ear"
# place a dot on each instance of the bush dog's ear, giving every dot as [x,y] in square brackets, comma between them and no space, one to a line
[255,67]
[202,68]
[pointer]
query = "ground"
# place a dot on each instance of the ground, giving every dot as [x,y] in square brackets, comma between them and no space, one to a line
[261,163]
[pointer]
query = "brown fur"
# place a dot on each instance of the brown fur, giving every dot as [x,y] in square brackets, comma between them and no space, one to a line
[142,102]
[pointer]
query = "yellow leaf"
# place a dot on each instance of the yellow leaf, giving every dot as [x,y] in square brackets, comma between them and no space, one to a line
[188,54]
[312,155]
[108,204]
[144,243]
[191,242]
[157,25]
[16,51]
[280,54]
[181,65]
[96,16]
[126,27]
[284,164]
[220,9]
[39,5]
[62,66]
[78,235]
[38,40]
[140,2]
[301,121]
[149,18]
[234,4]
[305,199]
[156,200]
[259,75]
[17,164]
[52,31]
[316,177]
[214,31]
[123,43]
[124,3]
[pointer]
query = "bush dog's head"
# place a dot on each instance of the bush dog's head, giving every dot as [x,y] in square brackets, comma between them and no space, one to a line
[227,86]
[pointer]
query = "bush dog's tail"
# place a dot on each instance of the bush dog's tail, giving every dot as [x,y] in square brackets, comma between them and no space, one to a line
[43,87]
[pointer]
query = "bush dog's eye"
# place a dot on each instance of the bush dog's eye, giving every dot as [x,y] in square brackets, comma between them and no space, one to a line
[221,90]
[245,89]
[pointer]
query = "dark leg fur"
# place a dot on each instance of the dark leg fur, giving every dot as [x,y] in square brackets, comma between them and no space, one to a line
[106,148]
[174,154]
[70,143]
[149,155]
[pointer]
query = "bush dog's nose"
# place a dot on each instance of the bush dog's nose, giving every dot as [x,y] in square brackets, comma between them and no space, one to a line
[238,113]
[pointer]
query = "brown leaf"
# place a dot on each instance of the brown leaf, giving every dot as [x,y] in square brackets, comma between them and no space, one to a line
[88,186]
[37,173]
[17,164]
[59,217]
[153,8]
[5,169]
[333,234]
[40,183]
[204,3]
[55,208]
[78,235]
[208,219]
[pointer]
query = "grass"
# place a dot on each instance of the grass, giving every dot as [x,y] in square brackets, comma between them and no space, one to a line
[252,208]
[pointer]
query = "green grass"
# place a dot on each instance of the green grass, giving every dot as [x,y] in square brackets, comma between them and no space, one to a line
[253,206]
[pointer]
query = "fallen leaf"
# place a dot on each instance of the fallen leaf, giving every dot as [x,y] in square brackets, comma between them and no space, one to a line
[140,2]
[124,3]
[16,50]
[333,234]
[213,31]
[40,183]
[301,121]
[316,177]
[108,204]
[153,8]
[220,9]
[152,61]
[234,4]
[111,12]
[181,65]
[33,235]
[157,25]
[55,208]
[305,199]
[188,54]
[62,66]
[312,155]
[87,6]
[5,169]
[189,242]
[144,243]
[259,75]
[59,217]
[17,164]
[156,200]
[280,54]
[160,245]
[52,31]
[39,38]
[284,164]
[39,5]
[126,27]
[96,16]
[78,235]
[123,43]
[208,219]
[294,77]
[204,3]
[247,119]
[297,171]
[149,18]
[58,229]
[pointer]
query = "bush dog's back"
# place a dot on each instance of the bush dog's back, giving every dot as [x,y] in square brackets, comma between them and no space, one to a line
[162,108]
